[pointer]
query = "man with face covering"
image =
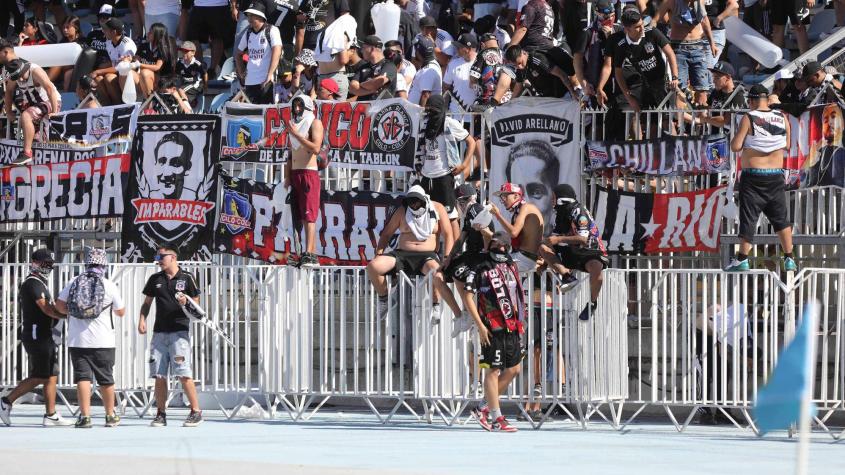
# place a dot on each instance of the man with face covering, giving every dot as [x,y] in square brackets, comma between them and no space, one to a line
[305,134]
[575,243]
[441,155]
[429,78]
[38,319]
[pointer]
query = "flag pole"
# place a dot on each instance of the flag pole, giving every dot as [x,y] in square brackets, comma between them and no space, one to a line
[802,460]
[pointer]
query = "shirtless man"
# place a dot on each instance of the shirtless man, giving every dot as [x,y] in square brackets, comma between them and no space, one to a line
[763,135]
[525,226]
[420,222]
[305,134]
[692,41]
[29,88]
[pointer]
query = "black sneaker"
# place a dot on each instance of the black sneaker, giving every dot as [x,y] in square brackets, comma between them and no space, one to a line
[589,309]
[160,420]
[309,261]
[112,420]
[194,419]
[22,159]
[83,422]
[705,417]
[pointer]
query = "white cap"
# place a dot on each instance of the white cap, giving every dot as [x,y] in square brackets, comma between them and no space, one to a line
[784,74]
[106,9]
[255,12]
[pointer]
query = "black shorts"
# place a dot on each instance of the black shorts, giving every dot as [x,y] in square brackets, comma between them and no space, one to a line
[578,257]
[211,23]
[541,336]
[93,363]
[781,10]
[504,351]
[649,94]
[441,190]
[410,262]
[258,94]
[766,193]
[461,266]
[43,358]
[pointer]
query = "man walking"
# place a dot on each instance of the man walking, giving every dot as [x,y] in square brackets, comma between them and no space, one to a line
[170,350]
[38,316]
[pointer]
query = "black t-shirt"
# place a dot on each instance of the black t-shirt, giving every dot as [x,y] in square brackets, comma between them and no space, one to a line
[96,39]
[595,45]
[149,55]
[538,72]
[474,241]
[169,315]
[718,100]
[191,75]
[369,71]
[539,21]
[36,325]
[713,9]
[645,56]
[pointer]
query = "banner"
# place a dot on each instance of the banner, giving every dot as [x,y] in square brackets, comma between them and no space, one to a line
[60,183]
[665,156]
[824,164]
[94,127]
[535,145]
[255,221]
[172,187]
[377,135]
[655,223]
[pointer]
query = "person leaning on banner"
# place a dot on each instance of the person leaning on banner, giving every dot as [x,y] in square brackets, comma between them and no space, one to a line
[90,302]
[643,50]
[305,133]
[30,90]
[718,100]
[575,244]
[762,137]
[37,334]
[170,348]
[262,45]
[421,223]
[525,226]
[540,73]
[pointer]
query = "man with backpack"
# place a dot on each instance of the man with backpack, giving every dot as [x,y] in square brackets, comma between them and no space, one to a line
[170,349]
[262,45]
[91,301]
[37,330]
[305,134]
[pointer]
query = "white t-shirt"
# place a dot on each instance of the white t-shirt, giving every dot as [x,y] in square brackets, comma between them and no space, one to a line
[337,37]
[97,332]
[162,7]
[260,53]
[443,154]
[457,74]
[416,8]
[211,3]
[428,78]
[125,47]
[408,70]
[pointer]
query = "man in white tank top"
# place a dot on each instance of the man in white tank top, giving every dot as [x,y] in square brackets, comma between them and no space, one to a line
[31,90]
[762,137]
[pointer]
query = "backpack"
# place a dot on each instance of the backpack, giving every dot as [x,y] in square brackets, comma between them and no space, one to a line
[86,297]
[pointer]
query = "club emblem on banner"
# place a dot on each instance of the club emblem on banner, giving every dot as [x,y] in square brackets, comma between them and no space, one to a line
[392,128]
[100,126]
[236,212]
[243,135]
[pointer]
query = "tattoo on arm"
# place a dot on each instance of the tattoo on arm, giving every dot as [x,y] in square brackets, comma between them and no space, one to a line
[145,309]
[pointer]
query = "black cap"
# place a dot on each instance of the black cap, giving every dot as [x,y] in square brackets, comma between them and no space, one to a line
[466,190]
[428,21]
[17,68]
[115,24]
[468,40]
[501,236]
[757,91]
[565,190]
[723,68]
[811,68]
[604,6]
[42,255]
[424,46]
[372,40]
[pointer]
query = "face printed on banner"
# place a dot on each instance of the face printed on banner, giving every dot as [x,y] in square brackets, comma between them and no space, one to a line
[832,124]
[172,162]
[533,165]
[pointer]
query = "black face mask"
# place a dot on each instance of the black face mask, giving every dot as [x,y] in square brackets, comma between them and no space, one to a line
[498,254]
[394,57]
[435,115]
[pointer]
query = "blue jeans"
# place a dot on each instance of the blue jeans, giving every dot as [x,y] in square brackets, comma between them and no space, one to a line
[170,351]
[169,20]
[720,39]
[693,61]
[240,28]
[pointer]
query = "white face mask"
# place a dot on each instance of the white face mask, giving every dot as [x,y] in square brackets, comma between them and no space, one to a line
[419,211]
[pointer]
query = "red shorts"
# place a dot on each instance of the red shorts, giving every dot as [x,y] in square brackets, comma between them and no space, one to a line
[305,185]
[39,111]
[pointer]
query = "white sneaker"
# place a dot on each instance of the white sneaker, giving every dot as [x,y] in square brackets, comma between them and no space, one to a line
[461,324]
[382,307]
[56,420]
[435,314]
[5,412]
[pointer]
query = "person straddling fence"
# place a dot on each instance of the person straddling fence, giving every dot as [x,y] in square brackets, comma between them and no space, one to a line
[525,226]
[31,91]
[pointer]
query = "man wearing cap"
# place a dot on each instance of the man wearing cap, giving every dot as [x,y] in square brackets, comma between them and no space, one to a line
[421,224]
[191,71]
[443,41]
[96,38]
[377,78]
[262,44]
[525,225]
[37,334]
[332,51]
[724,96]
[762,137]
[29,88]
[591,58]
[784,90]
[457,79]
[90,334]
[304,73]
[817,79]
[120,48]
[575,243]
[536,71]
[328,90]
[429,77]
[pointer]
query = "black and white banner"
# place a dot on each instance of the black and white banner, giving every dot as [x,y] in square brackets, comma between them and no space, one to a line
[60,183]
[94,127]
[535,145]
[377,135]
[254,220]
[665,156]
[172,187]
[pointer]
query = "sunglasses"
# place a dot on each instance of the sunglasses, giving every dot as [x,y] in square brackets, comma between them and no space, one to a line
[160,257]
[415,204]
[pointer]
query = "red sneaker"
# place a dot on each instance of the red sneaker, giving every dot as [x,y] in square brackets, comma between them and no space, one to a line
[502,425]
[483,417]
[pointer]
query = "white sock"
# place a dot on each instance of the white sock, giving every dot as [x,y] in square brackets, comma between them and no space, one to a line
[495,413]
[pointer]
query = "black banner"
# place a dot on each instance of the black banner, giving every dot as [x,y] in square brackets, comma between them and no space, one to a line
[61,183]
[255,221]
[89,127]
[172,187]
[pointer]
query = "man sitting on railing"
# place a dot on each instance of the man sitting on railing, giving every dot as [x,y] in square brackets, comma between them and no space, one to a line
[32,92]
[499,316]
[421,223]
[525,226]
